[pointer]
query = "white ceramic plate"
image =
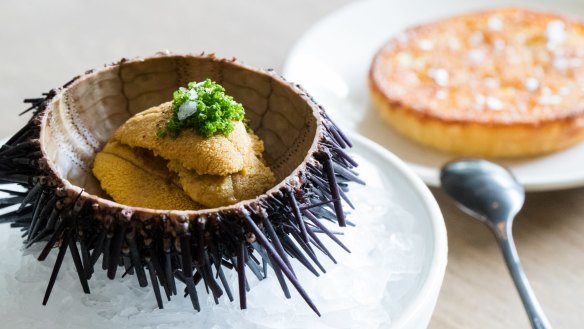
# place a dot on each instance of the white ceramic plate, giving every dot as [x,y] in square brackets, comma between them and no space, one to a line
[410,301]
[332,59]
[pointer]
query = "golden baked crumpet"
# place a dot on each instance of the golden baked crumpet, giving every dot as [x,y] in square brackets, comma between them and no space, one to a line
[178,194]
[508,82]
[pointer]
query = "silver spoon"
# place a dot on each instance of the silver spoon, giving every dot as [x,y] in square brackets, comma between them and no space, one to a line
[490,193]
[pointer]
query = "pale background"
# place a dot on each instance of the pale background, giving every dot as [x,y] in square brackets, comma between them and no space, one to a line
[45,43]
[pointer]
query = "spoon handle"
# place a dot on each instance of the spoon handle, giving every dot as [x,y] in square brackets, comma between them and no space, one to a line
[535,313]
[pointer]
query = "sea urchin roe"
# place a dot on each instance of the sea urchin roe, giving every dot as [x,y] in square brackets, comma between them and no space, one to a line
[215,155]
[135,177]
[203,107]
[216,166]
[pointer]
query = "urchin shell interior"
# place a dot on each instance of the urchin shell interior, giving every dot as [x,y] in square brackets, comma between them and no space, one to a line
[62,205]
[85,115]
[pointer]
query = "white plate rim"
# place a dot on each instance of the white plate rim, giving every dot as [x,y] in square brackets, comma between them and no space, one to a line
[431,175]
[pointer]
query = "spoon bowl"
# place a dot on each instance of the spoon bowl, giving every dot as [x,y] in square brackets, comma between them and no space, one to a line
[483,189]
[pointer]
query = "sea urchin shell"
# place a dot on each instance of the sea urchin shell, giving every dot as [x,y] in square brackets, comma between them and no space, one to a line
[63,205]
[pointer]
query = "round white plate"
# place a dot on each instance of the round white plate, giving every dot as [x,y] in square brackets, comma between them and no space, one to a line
[332,59]
[394,199]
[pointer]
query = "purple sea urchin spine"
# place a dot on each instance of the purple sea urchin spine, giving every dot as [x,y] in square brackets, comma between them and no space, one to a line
[297,215]
[265,243]
[57,267]
[240,266]
[78,265]
[330,174]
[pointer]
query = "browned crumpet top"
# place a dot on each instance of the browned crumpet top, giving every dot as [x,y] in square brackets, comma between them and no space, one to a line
[508,65]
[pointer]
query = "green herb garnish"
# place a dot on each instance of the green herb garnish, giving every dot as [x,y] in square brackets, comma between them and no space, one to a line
[204,107]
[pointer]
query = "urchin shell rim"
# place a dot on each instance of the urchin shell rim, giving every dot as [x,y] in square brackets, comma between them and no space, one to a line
[147,213]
